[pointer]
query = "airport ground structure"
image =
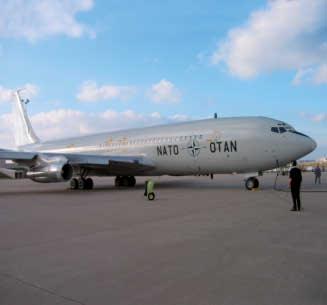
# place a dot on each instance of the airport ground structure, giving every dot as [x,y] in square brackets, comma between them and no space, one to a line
[309,165]
[201,241]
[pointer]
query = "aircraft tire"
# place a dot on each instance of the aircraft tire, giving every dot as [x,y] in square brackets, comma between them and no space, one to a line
[132,181]
[256,183]
[118,181]
[89,184]
[151,196]
[81,184]
[74,184]
[251,183]
[125,181]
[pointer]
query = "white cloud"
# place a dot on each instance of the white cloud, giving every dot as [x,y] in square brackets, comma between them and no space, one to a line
[320,76]
[179,117]
[302,75]
[63,123]
[164,92]
[30,90]
[36,19]
[156,115]
[6,95]
[91,92]
[315,75]
[317,118]
[286,35]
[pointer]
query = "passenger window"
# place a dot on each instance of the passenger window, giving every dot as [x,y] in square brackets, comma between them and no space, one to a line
[274,129]
[282,129]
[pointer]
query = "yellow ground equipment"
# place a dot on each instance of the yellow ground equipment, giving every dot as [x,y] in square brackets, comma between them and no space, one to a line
[149,190]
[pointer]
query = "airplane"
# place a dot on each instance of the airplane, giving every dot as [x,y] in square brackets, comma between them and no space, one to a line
[247,145]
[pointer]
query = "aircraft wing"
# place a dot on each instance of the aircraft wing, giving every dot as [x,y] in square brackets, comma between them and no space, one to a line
[110,164]
[16,155]
[115,164]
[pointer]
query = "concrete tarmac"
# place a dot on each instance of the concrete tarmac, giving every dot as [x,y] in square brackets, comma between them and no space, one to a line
[201,242]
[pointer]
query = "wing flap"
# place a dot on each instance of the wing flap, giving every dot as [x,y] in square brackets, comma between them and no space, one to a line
[112,164]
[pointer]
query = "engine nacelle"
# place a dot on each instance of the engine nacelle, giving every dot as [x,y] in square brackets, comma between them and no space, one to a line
[51,169]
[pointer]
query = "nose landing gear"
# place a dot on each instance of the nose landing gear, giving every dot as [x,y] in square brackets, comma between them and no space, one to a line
[251,183]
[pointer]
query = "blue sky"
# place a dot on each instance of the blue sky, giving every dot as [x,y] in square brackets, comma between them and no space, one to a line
[105,65]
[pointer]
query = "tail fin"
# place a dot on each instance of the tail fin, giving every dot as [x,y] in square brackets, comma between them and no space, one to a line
[23,130]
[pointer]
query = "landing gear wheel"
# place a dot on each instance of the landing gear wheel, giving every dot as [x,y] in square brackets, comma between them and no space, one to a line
[89,184]
[251,183]
[81,184]
[74,184]
[151,196]
[256,183]
[118,181]
[132,181]
[125,181]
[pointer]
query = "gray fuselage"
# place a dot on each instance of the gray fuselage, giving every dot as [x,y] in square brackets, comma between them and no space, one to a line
[224,145]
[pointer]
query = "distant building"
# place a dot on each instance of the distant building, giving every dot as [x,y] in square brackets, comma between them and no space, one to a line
[309,165]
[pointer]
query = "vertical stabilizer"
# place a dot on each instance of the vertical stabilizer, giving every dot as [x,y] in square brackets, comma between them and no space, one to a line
[23,130]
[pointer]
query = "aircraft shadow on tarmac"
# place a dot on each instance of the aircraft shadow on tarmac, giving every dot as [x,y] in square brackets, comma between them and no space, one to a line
[159,185]
[178,184]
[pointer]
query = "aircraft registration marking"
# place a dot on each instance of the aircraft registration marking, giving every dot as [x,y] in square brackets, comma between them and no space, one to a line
[194,148]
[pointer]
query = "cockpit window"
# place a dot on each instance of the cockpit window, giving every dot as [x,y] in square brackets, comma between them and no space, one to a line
[282,129]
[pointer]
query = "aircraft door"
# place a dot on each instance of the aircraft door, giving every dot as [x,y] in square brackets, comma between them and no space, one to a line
[273,146]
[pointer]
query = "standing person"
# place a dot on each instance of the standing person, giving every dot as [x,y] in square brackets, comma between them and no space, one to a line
[295,185]
[317,172]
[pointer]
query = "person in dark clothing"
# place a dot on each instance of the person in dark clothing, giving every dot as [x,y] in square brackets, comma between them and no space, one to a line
[317,172]
[295,185]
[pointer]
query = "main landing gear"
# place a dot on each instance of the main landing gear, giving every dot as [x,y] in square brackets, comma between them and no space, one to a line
[251,183]
[81,184]
[84,183]
[125,181]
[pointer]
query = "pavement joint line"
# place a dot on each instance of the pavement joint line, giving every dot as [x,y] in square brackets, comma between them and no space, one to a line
[48,291]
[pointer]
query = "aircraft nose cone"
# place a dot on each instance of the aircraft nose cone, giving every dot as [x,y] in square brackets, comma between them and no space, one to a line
[312,144]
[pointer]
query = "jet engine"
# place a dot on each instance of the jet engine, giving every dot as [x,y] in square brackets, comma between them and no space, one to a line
[50,169]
